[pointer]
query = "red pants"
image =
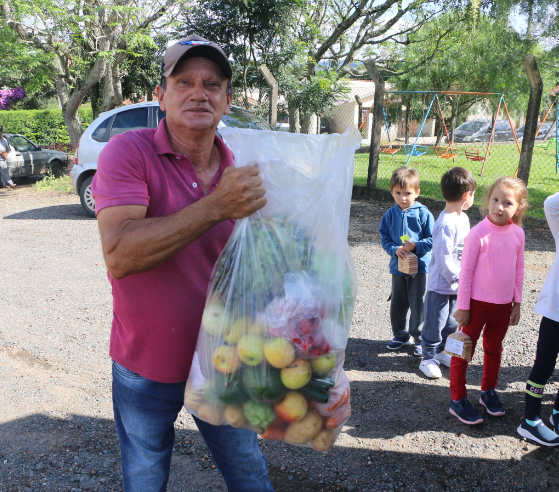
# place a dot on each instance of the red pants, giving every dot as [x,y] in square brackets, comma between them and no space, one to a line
[495,319]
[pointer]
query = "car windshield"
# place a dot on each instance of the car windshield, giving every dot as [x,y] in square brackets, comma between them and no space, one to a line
[467,127]
[22,144]
[241,118]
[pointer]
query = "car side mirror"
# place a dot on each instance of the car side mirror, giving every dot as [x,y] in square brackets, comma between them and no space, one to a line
[39,148]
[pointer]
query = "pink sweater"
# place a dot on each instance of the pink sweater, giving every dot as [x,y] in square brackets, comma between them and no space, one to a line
[492,265]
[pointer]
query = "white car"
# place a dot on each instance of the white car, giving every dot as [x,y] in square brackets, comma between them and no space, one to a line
[124,119]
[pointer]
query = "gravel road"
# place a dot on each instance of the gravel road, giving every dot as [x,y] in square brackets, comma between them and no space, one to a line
[56,427]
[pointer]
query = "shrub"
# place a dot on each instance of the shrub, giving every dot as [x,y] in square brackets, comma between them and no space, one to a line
[44,127]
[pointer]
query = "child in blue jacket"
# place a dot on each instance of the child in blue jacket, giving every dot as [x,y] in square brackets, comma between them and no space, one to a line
[411,218]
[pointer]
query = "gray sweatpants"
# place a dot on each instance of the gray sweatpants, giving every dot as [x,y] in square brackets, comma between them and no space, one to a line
[439,322]
[408,293]
[4,174]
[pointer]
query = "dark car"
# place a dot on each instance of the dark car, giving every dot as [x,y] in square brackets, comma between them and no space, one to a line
[480,131]
[541,134]
[26,158]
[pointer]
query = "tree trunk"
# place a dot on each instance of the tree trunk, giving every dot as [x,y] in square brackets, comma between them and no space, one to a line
[359,112]
[407,124]
[71,104]
[308,125]
[453,118]
[112,88]
[294,117]
[147,84]
[530,19]
[95,98]
[439,136]
[374,149]
[532,114]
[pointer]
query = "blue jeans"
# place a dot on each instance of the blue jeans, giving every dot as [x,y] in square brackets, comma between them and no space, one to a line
[145,412]
[439,322]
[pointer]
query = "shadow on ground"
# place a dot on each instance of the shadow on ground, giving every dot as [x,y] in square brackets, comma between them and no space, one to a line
[81,453]
[55,212]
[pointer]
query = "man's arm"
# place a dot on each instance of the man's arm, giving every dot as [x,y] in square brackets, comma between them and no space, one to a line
[133,243]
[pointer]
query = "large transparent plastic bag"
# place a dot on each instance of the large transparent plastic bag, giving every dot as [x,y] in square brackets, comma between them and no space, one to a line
[272,344]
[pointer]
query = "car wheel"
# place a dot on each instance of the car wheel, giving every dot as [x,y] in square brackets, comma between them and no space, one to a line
[86,197]
[55,169]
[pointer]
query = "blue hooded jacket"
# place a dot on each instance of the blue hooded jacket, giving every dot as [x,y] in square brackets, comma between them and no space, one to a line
[417,222]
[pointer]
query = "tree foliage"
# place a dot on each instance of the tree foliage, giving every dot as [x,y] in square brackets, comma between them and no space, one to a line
[310,46]
[82,44]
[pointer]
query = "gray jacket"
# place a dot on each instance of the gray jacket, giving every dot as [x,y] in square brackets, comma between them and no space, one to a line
[448,242]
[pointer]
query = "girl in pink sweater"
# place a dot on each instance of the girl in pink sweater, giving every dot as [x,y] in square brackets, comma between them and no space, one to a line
[490,293]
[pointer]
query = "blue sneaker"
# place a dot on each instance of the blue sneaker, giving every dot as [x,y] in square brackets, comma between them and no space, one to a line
[555,423]
[417,351]
[465,412]
[539,433]
[491,402]
[397,343]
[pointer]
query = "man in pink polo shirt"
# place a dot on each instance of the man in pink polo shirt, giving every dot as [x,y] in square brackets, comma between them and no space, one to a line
[166,200]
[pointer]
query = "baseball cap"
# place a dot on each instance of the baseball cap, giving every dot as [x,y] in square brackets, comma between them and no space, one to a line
[192,46]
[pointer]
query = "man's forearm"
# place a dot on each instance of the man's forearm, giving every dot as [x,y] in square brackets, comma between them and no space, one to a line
[141,243]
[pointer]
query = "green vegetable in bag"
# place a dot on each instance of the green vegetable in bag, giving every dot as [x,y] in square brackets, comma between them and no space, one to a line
[229,388]
[263,384]
[259,414]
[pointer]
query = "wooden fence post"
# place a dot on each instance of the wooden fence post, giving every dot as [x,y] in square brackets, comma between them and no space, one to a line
[374,150]
[273,111]
[532,115]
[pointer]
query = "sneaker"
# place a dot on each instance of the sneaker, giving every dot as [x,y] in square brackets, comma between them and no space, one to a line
[430,368]
[555,425]
[417,350]
[397,343]
[465,412]
[539,433]
[444,359]
[492,404]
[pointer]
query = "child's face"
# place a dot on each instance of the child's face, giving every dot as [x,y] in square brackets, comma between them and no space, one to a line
[502,205]
[404,197]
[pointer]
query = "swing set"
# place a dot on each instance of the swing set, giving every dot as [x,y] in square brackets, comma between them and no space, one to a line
[446,151]
[553,141]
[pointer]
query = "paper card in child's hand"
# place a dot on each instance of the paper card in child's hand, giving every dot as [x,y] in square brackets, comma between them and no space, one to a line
[454,346]
[459,345]
[404,238]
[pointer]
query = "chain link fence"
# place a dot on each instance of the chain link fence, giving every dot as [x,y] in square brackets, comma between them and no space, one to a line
[423,133]
[434,131]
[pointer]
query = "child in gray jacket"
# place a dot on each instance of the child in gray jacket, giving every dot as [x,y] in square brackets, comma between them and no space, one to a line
[458,187]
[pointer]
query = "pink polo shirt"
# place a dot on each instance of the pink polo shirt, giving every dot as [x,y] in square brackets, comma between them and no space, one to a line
[157,314]
[492,267]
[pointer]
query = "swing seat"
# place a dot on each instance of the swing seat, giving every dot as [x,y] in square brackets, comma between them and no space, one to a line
[550,143]
[475,155]
[415,150]
[446,152]
[388,148]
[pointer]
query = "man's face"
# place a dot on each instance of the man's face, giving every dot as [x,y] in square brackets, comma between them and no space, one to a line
[195,97]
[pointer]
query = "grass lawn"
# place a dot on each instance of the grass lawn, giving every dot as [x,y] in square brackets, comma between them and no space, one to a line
[503,162]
